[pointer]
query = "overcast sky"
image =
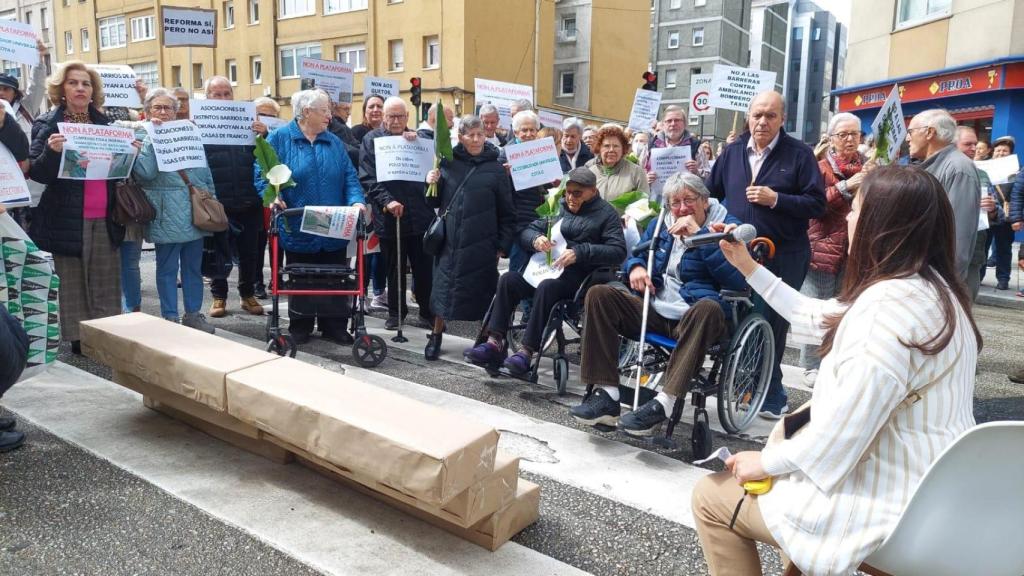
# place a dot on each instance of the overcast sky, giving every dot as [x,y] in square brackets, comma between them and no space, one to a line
[841,8]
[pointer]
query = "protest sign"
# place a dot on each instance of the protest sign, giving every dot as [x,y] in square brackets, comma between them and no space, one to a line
[13,188]
[666,162]
[534,163]
[224,121]
[733,88]
[645,109]
[335,78]
[889,128]
[538,270]
[188,26]
[95,152]
[700,95]
[549,119]
[501,95]
[383,87]
[401,159]
[18,43]
[1000,170]
[330,221]
[177,145]
[271,122]
[118,85]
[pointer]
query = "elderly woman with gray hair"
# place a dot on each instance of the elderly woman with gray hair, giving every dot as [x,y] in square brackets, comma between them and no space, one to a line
[324,176]
[476,198]
[685,304]
[179,244]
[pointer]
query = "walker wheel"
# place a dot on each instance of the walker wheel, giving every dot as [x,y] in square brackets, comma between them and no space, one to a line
[369,351]
[282,345]
[700,440]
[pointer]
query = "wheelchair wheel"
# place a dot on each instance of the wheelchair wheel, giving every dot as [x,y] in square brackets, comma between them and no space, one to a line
[369,350]
[700,439]
[282,345]
[561,370]
[746,374]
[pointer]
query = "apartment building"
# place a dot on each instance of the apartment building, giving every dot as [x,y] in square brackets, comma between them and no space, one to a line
[769,37]
[38,13]
[817,57]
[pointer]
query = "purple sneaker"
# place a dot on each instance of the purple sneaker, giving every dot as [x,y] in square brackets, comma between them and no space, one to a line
[486,354]
[518,364]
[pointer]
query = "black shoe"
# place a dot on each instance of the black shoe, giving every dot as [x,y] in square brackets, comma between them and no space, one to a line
[1003,285]
[391,323]
[10,440]
[260,292]
[990,263]
[76,347]
[300,337]
[643,420]
[7,423]
[598,408]
[342,337]
[433,349]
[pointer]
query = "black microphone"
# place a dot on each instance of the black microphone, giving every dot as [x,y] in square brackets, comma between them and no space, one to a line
[743,233]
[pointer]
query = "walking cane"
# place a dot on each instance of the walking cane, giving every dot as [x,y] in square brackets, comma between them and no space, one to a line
[647,301]
[401,291]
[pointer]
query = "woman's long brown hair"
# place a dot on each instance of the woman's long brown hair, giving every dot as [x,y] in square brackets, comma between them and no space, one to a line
[904,227]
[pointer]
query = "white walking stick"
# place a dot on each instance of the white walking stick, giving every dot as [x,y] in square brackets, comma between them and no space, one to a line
[401,291]
[647,302]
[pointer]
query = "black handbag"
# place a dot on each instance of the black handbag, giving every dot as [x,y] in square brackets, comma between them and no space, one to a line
[433,238]
[131,205]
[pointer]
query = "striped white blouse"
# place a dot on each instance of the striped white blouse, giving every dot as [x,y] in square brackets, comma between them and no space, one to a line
[842,482]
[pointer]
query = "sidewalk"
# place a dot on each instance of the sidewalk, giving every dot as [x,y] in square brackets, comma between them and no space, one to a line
[989,296]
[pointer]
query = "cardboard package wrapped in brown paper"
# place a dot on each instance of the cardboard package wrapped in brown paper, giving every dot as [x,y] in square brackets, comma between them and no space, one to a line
[421,450]
[187,362]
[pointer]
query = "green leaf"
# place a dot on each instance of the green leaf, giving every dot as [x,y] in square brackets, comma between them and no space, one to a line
[442,135]
[626,199]
[267,158]
[632,158]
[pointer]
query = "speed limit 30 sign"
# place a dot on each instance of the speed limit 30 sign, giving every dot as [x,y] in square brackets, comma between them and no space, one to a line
[700,95]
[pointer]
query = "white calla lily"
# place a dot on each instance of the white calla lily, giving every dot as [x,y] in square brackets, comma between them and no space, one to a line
[640,210]
[552,197]
[279,175]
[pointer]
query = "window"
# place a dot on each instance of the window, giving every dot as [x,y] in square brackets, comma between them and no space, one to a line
[567,84]
[84,35]
[254,11]
[698,36]
[143,28]
[798,33]
[293,8]
[147,72]
[44,25]
[197,77]
[12,68]
[69,43]
[229,14]
[568,28]
[354,55]
[673,39]
[670,79]
[397,51]
[699,3]
[112,33]
[231,66]
[256,69]
[694,71]
[431,52]
[911,12]
[176,75]
[338,6]
[28,17]
[675,4]
[291,55]
[817,33]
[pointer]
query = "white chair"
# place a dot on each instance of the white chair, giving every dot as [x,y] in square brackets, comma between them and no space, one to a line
[967,515]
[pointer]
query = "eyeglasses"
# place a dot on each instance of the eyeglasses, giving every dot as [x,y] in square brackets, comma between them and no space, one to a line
[161,108]
[911,130]
[680,201]
[321,111]
[847,135]
[396,116]
[576,193]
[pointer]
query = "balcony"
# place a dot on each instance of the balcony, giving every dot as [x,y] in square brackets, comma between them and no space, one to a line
[566,35]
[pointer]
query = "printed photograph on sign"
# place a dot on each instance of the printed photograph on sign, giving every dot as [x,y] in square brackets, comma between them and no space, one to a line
[334,78]
[889,128]
[188,26]
[93,152]
[501,95]
[330,221]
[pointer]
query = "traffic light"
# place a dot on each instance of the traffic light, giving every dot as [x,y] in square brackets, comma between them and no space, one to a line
[415,90]
[651,81]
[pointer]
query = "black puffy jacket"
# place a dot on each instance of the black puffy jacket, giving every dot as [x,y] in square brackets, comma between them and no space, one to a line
[13,138]
[417,215]
[231,166]
[480,223]
[594,234]
[344,133]
[13,347]
[57,221]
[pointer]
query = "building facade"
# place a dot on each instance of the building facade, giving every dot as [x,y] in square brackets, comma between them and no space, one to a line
[38,13]
[816,61]
[447,43]
[689,37]
[769,37]
[932,51]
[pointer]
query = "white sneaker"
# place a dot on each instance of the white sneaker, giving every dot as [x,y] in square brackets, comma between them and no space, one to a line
[769,414]
[810,377]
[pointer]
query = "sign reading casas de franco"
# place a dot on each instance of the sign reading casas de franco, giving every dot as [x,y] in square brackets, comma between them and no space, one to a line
[733,88]
[224,121]
[118,85]
[177,145]
[188,26]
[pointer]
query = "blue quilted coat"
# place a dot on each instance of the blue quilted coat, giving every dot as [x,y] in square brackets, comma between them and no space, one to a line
[323,175]
[169,196]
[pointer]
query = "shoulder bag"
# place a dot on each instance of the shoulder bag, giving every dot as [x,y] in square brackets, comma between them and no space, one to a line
[433,238]
[131,205]
[207,212]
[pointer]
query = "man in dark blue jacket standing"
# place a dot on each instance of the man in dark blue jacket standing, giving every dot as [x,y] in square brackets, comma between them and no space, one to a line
[771,180]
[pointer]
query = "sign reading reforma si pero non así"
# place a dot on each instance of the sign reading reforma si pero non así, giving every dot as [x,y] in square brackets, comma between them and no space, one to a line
[188,26]
[177,145]
[533,163]
[501,95]
[118,85]
[376,86]
[401,159]
[224,121]
[732,88]
[700,95]
[645,109]
[335,78]
[18,42]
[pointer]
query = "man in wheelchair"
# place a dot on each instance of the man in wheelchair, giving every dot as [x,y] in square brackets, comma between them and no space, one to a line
[594,239]
[686,305]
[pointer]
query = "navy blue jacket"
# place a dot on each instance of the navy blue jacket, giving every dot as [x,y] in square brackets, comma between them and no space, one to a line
[703,270]
[13,348]
[790,170]
[1017,199]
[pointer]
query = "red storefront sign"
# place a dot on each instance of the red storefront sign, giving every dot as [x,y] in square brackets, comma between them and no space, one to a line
[942,86]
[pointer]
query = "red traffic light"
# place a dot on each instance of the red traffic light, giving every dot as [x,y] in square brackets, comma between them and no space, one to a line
[415,82]
[650,76]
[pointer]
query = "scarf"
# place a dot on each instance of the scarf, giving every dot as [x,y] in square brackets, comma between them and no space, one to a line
[845,167]
[76,117]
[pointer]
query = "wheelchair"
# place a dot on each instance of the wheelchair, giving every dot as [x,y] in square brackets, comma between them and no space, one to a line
[565,313]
